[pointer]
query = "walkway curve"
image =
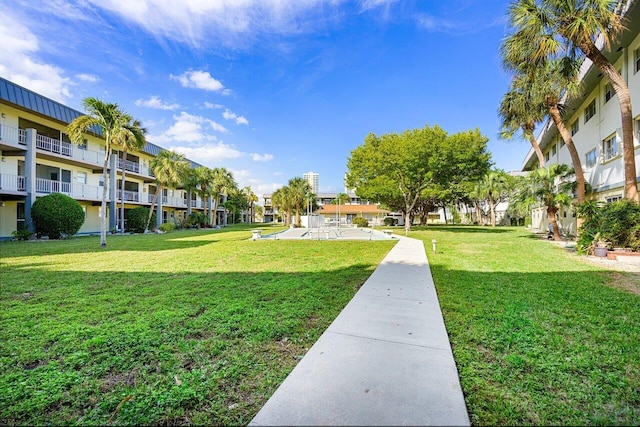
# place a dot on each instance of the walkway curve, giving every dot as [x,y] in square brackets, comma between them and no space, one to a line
[385,360]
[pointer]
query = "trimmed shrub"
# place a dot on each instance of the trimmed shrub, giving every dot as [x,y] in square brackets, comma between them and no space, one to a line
[167,226]
[57,215]
[389,221]
[137,220]
[360,222]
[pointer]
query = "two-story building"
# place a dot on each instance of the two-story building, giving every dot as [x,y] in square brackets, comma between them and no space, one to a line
[38,158]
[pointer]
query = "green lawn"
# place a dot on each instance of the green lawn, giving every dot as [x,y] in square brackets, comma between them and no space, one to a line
[194,327]
[539,336]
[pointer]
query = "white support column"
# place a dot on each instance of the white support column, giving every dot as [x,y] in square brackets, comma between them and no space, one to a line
[30,176]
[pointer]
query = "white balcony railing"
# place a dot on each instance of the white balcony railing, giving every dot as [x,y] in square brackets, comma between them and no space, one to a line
[54,145]
[129,165]
[129,196]
[48,186]
[12,135]
[12,182]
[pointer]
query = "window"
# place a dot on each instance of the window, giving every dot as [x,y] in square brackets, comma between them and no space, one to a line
[20,216]
[81,178]
[636,60]
[590,111]
[83,145]
[546,156]
[562,143]
[554,149]
[637,123]
[575,127]
[610,147]
[613,199]
[608,92]
[590,158]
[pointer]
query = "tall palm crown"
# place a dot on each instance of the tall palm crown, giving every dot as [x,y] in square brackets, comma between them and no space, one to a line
[517,111]
[132,140]
[299,188]
[222,182]
[116,126]
[492,186]
[551,29]
[282,199]
[169,169]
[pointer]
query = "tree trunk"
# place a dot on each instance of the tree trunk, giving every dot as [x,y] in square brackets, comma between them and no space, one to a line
[624,99]
[538,151]
[105,192]
[492,209]
[551,217]
[124,174]
[153,202]
[554,112]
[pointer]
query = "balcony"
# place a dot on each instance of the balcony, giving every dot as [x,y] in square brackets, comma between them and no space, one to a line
[77,191]
[12,182]
[129,196]
[129,165]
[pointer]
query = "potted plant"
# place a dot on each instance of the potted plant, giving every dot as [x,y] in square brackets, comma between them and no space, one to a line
[600,246]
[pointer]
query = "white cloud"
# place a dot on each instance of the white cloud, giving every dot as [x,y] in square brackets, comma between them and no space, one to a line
[213,106]
[20,64]
[261,157]
[188,128]
[208,154]
[229,23]
[156,103]
[88,78]
[230,115]
[200,80]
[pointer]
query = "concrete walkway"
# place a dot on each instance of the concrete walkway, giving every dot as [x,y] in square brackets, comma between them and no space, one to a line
[385,360]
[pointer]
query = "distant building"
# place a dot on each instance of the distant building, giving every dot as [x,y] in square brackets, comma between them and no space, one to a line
[312,179]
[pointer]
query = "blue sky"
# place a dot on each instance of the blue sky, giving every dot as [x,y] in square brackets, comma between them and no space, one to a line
[269,89]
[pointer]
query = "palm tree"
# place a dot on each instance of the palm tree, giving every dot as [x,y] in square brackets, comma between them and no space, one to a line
[222,183]
[298,188]
[169,169]
[550,187]
[115,126]
[134,140]
[203,178]
[281,199]
[190,184]
[517,111]
[494,186]
[251,198]
[551,28]
[548,83]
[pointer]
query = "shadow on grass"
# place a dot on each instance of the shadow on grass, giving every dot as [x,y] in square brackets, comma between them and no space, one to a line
[184,346]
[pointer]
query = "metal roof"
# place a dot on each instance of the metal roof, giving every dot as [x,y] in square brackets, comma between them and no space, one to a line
[26,99]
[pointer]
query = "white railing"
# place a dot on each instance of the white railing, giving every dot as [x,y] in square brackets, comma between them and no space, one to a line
[48,186]
[54,145]
[86,191]
[129,196]
[11,134]
[129,165]
[12,182]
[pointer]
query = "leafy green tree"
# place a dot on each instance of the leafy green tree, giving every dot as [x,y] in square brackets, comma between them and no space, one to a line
[549,29]
[115,126]
[134,140]
[394,166]
[169,169]
[552,188]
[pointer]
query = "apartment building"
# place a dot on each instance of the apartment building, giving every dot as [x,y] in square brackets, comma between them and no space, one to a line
[595,125]
[37,158]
